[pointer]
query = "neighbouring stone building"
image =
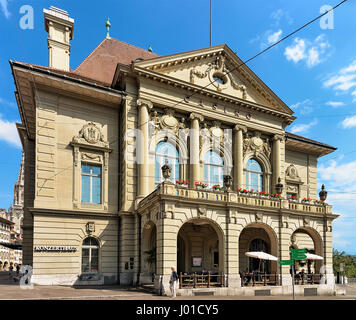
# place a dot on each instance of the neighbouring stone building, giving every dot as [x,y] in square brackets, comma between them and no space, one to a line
[16,209]
[99,208]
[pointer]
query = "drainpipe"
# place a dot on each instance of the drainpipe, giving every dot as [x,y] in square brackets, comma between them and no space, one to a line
[139,250]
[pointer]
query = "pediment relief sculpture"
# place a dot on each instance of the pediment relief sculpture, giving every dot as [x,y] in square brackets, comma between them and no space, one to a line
[219,75]
[91,134]
[254,143]
[292,175]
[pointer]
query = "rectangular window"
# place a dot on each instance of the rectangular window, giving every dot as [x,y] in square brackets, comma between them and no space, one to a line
[91,183]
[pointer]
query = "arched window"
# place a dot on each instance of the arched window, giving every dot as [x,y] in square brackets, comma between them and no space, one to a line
[254,175]
[213,169]
[256,264]
[90,255]
[166,151]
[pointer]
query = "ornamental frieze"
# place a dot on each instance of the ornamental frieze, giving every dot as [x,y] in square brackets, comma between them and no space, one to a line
[218,69]
[256,145]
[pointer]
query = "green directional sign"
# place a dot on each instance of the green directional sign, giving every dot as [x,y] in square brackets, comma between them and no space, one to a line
[286,262]
[298,254]
[294,251]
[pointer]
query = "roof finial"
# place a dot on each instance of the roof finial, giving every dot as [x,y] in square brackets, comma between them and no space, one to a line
[149,48]
[108,25]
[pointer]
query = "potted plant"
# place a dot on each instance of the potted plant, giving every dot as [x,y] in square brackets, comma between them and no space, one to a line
[252,193]
[263,194]
[292,198]
[319,202]
[217,187]
[242,191]
[183,183]
[200,185]
[307,200]
[275,196]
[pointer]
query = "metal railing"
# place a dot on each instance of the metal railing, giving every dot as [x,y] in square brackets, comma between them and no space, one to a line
[260,279]
[201,280]
[312,278]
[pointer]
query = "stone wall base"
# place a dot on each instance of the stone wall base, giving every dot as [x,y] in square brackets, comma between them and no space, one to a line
[73,280]
[321,290]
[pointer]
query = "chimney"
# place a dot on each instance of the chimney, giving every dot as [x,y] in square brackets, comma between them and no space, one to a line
[60,31]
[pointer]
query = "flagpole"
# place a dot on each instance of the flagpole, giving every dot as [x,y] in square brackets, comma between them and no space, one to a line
[210,23]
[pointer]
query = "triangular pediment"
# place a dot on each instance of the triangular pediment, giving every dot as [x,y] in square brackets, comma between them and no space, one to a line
[219,69]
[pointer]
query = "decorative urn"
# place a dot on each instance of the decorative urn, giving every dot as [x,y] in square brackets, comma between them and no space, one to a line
[279,186]
[323,193]
[228,182]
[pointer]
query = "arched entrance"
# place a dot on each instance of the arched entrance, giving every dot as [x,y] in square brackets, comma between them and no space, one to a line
[200,247]
[149,251]
[309,239]
[257,237]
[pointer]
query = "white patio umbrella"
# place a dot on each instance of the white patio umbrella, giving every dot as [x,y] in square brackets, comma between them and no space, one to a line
[311,256]
[261,255]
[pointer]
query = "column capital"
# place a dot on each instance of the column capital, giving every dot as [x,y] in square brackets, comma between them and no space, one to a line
[144,103]
[278,137]
[197,116]
[240,127]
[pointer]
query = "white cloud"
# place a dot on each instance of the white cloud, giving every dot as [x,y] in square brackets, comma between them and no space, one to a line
[280,14]
[8,132]
[304,107]
[312,52]
[5,10]
[274,37]
[349,122]
[342,175]
[335,104]
[302,128]
[296,52]
[343,80]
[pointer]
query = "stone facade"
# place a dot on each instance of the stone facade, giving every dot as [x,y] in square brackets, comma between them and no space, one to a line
[198,102]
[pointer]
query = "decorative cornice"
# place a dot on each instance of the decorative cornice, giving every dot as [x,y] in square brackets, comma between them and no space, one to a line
[222,97]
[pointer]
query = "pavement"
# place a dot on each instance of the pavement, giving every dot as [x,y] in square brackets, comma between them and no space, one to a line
[10,290]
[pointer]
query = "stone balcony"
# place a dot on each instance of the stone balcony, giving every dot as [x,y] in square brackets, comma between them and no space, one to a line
[233,198]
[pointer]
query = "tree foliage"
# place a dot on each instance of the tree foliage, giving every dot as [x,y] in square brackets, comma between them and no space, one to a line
[349,262]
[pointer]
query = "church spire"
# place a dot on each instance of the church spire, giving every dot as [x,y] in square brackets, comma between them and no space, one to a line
[108,25]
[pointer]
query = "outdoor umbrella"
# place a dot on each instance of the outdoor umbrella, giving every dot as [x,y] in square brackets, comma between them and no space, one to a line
[311,256]
[261,255]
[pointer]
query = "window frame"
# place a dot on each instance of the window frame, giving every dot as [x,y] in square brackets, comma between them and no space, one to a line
[260,176]
[174,165]
[90,247]
[209,165]
[91,175]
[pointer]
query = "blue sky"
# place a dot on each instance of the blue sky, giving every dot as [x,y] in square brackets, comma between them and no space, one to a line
[314,72]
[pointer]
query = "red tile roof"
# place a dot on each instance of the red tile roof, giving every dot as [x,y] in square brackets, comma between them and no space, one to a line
[101,63]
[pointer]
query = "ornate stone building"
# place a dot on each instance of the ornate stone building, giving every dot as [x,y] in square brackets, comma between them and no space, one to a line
[100,209]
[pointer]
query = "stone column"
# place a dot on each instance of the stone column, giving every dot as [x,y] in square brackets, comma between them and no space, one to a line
[276,160]
[167,233]
[194,146]
[285,234]
[232,250]
[238,156]
[142,148]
